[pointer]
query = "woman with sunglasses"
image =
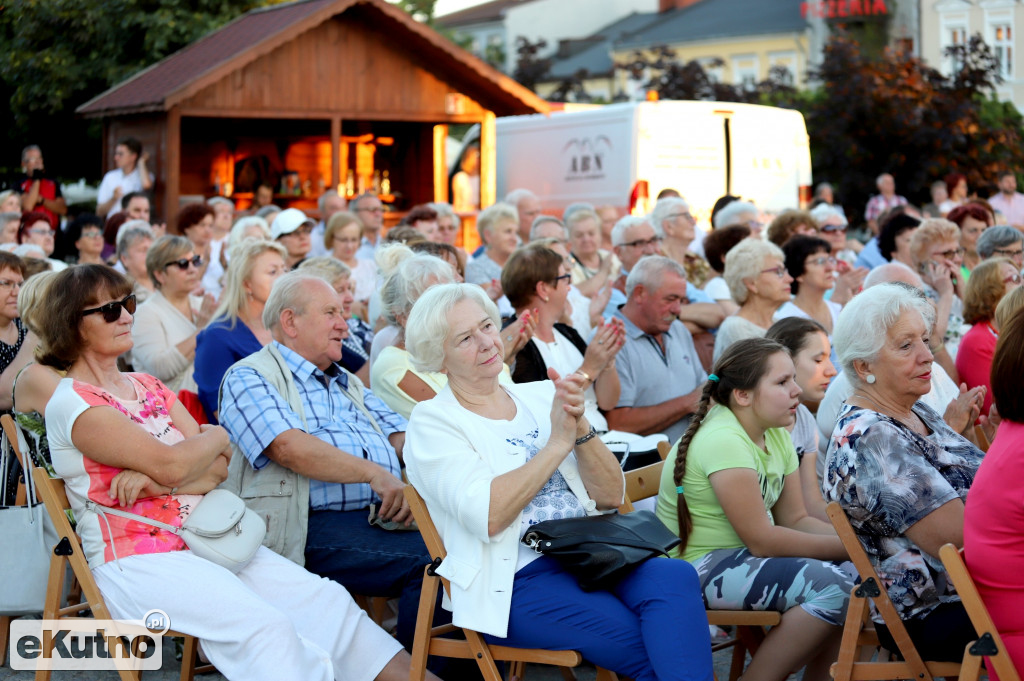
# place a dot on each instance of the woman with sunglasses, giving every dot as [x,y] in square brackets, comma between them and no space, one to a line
[536,281]
[759,283]
[989,282]
[168,322]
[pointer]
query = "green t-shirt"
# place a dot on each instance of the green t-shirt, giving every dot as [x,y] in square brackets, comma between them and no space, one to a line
[720,444]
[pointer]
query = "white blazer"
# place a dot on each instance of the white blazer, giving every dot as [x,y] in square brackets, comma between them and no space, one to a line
[451,459]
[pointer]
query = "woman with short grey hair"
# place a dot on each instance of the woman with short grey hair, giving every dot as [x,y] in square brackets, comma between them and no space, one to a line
[498,226]
[593,267]
[1002,241]
[755,271]
[898,470]
[672,219]
[133,241]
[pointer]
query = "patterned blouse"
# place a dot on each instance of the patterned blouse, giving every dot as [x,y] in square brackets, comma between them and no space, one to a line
[887,478]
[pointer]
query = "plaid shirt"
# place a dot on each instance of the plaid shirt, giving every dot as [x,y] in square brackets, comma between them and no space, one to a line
[878,204]
[254,414]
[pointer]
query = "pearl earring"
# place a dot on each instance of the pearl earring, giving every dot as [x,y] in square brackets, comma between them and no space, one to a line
[870,378]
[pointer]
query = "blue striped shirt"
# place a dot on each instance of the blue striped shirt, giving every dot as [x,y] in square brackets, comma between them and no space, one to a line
[254,414]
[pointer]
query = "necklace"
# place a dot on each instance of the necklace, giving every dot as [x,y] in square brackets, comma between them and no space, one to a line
[911,426]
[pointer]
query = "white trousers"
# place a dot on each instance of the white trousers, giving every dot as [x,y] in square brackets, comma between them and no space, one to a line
[273,620]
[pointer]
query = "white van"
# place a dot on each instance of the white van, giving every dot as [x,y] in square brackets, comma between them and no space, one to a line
[702,149]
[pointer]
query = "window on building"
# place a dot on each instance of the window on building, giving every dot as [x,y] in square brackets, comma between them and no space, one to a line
[1002,46]
[953,34]
[784,62]
[746,71]
[712,67]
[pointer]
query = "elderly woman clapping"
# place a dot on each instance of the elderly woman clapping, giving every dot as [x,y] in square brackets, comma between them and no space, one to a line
[511,456]
[756,273]
[899,472]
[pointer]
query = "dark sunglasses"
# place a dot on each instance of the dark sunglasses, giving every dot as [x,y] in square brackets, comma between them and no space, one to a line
[196,260]
[112,311]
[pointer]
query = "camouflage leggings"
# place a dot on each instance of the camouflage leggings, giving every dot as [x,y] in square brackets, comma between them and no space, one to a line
[734,579]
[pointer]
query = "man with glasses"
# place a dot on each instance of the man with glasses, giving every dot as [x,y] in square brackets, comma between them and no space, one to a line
[370,211]
[660,373]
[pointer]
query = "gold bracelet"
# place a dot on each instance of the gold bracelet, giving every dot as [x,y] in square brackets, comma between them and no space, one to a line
[585,375]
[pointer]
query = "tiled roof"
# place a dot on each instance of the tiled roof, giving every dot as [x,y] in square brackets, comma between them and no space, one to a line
[486,12]
[148,88]
[712,19]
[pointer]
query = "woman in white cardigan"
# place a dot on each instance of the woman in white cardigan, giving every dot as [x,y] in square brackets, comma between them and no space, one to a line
[492,459]
[167,323]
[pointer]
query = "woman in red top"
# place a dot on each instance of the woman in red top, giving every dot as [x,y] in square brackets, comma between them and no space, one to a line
[989,282]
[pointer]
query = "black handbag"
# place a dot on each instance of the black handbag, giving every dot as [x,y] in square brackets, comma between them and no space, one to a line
[600,550]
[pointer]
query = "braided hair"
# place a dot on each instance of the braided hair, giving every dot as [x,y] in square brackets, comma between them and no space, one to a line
[740,367]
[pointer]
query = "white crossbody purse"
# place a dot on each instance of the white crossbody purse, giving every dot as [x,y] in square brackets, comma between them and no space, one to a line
[221,528]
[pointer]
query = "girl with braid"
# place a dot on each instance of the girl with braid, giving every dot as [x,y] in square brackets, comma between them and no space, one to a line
[731,488]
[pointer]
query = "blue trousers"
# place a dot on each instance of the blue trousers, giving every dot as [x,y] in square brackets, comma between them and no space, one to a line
[651,627]
[366,560]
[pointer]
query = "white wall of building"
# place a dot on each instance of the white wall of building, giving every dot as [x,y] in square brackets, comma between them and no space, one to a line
[554,20]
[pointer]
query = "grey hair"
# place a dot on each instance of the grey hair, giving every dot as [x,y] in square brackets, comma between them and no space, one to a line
[327,267]
[625,224]
[573,208]
[516,195]
[268,210]
[407,282]
[445,210]
[649,272]
[428,328]
[821,187]
[579,215]
[242,225]
[824,211]
[31,147]
[288,293]
[321,203]
[541,220]
[8,218]
[892,272]
[490,216]
[862,326]
[992,238]
[130,233]
[28,250]
[243,260]
[727,216]
[220,201]
[744,261]
[665,207]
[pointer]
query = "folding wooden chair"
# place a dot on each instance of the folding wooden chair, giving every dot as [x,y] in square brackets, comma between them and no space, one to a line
[849,666]
[749,626]
[21,498]
[428,640]
[68,551]
[989,644]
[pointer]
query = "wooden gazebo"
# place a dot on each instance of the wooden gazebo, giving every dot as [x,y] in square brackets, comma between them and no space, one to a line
[309,95]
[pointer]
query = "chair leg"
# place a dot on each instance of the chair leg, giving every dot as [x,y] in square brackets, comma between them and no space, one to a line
[856,613]
[606,675]
[189,655]
[424,623]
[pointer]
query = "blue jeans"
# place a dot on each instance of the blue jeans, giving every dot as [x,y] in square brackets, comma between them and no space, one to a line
[367,560]
[650,627]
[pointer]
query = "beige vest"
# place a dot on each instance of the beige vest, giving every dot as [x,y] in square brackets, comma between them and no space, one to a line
[278,494]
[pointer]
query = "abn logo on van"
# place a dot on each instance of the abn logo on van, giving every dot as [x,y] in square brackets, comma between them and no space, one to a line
[586,157]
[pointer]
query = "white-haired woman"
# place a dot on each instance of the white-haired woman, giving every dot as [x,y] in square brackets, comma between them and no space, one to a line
[133,241]
[236,329]
[592,267]
[740,213]
[167,324]
[248,227]
[512,455]
[392,377]
[498,226]
[671,217]
[756,273]
[898,470]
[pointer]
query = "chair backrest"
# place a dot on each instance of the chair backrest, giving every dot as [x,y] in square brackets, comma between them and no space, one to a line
[11,430]
[872,585]
[431,537]
[952,560]
[642,483]
[664,447]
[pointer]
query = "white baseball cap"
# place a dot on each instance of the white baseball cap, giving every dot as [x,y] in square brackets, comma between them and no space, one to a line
[287,221]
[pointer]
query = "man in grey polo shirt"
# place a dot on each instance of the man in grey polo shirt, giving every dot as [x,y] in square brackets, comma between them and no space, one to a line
[660,373]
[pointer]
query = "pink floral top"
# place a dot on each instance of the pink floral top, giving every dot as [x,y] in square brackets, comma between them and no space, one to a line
[107,537]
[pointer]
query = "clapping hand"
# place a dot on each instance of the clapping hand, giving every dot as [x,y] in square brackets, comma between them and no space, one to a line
[965,409]
[567,407]
[606,343]
[516,335]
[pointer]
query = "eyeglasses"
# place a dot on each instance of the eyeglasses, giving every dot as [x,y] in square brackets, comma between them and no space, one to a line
[779,271]
[7,284]
[304,230]
[755,224]
[112,311]
[378,209]
[822,260]
[1013,278]
[91,233]
[688,216]
[1006,253]
[39,231]
[643,243]
[950,254]
[183,264]
[833,228]
[560,277]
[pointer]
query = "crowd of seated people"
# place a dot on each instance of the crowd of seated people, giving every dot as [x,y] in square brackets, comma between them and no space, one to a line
[787,365]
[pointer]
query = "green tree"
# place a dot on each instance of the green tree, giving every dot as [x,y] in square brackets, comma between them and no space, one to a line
[420,10]
[57,54]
